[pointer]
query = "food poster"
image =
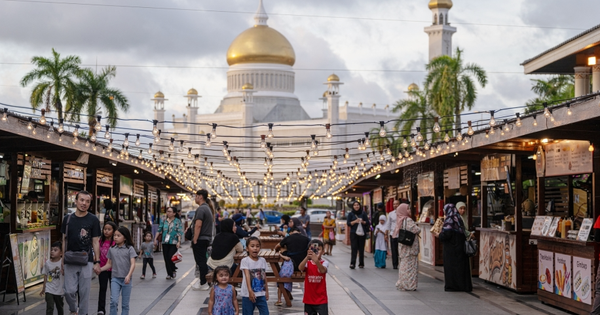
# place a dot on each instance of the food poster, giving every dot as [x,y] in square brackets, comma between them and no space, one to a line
[497,259]
[582,280]
[34,250]
[15,249]
[562,275]
[545,268]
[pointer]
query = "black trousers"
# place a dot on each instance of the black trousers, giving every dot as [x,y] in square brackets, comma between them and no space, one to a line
[200,249]
[149,261]
[357,244]
[103,281]
[321,309]
[51,301]
[394,244]
[168,251]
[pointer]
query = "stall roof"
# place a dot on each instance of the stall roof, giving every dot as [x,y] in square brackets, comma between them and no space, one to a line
[562,58]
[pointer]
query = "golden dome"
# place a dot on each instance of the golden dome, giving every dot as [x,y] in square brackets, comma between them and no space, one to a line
[248,86]
[159,94]
[261,44]
[333,77]
[413,87]
[192,91]
[325,93]
[440,4]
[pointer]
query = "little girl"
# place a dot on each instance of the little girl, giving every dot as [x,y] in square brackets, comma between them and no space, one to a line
[381,236]
[106,242]
[223,299]
[255,292]
[121,258]
[146,251]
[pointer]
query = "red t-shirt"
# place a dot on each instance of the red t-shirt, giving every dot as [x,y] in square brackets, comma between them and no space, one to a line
[315,286]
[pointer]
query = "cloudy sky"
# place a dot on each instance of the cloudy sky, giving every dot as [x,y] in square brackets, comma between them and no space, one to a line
[376,47]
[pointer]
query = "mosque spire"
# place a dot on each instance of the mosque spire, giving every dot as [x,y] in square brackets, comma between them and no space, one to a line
[261,16]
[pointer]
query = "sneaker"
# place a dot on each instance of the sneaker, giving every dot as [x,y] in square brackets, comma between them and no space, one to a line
[142,277]
[205,287]
[196,286]
[174,274]
[100,313]
[153,276]
[169,278]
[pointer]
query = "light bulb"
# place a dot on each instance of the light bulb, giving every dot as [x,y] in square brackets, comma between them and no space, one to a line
[446,137]
[181,149]
[492,131]
[591,148]
[426,145]
[569,112]
[328,131]
[126,142]
[61,127]
[518,123]
[419,135]
[436,126]
[171,145]
[93,137]
[98,125]
[137,141]
[43,118]
[155,128]
[189,155]
[29,124]
[214,131]
[149,148]
[50,131]
[208,138]
[413,143]
[547,113]
[459,136]
[107,133]
[5,115]
[470,131]
[270,133]
[404,143]
[388,151]
[382,131]
[492,119]
[76,131]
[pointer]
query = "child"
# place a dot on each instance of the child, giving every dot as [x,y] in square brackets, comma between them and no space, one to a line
[255,292]
[121,258]
[315,287]
[223,299]
[106,242]
[146,251]
[53,280]
[381,236]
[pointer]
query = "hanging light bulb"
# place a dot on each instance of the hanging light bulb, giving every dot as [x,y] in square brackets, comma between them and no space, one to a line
[492,119]
[214,131]
[189,153]
[518,123]
[150,148]
[5,115]
[388,151]
[328,131]
[459,135]
[43,118]
[506,126]
[591,147]
[446,137]
[382,131]
[109,147]
[436,125]
[368,158]
[569,112]
[419,135]
[137,140]
[98,125]
[547,112]
[29,124]
[208,138]
[413,143]
[61,127]
[487,134]
[470,131]
[263,144]
[270,133]
[140,155]
[93,135]
[155,127]
[126,141]
[33,131]
[313,144]
[107,133]
[181,149]
[426,147]
[492,131]
[50,130]
[172,145]
[76,131]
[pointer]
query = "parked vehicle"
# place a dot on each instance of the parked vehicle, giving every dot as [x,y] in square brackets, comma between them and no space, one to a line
[271,216]
[316,215]
[190,215]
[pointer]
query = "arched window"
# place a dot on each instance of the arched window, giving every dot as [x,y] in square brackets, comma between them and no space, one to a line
[441,19]
[434,19]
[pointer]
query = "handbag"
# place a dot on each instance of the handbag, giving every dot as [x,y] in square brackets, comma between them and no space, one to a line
[405,237]
[331,235]
[471,247]
[177,257]
[73,257]
[359,230]
[189,233]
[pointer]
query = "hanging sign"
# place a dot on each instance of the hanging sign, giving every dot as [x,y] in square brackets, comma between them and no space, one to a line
[582,280]
[492,167]
[425,184]
[377,196]
[453,178]
[568,157]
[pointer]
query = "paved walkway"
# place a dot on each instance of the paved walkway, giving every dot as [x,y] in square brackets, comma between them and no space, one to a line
[360,291]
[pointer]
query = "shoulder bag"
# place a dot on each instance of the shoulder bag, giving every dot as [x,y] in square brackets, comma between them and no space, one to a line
[359,229]
[71,257]
[405,237]
[471,247]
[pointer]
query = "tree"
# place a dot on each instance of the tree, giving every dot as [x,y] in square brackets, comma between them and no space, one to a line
[55,82]
[93,95]
[555,89]
[414,109]
[450,86]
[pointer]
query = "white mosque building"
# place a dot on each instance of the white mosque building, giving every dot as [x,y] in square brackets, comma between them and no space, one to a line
[260,92]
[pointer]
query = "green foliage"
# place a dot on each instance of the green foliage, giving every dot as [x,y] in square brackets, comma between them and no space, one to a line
[414,109]
[554,90]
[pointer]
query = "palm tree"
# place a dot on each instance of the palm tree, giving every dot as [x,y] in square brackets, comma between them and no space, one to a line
[415,109]
[450,86]
[55,82]
[556,89]
[93,93]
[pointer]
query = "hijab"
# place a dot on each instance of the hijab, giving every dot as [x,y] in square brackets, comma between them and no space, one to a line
[298,226]
[382,226]
[225,241]
[402,213]
[453,221]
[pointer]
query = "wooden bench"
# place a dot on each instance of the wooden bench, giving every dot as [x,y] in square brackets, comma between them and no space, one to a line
[273,259]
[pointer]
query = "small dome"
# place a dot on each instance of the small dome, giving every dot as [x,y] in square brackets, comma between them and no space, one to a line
[248,86]
[325,93]
[159,94]
[192,91]
[413,87]
[333,78]
[440,4]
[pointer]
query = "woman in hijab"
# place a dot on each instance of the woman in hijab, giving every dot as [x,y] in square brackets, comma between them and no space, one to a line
[298,225]
[381,236]
[462,211]
[408,271]
[225,245]
[357,218]
[457,273]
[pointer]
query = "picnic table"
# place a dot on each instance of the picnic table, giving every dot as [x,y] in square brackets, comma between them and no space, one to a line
[269,242]
[265,232]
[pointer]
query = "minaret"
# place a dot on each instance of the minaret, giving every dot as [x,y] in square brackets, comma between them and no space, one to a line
[192,111]
[440,32]
[333,108]
[159,109]
[248,116]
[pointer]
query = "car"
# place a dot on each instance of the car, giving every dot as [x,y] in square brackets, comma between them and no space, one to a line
[272,216]
[190,215]
[316,215]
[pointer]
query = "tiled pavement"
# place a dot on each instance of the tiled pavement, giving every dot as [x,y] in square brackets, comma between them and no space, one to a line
[360,291]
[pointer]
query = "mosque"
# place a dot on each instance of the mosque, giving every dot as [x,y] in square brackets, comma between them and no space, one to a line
[260,102]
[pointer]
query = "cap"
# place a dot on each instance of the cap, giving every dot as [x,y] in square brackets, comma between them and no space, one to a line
[238,217]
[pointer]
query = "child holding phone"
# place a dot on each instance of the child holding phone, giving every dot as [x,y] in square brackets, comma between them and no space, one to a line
[315,288]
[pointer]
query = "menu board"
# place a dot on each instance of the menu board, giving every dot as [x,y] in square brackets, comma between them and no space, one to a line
[546,226]
[568,157]
[453,178]
[584,231]
[16,262]
[582,280]
[425,184]
[545,268]
[538,224]
[492,167]
[377,196]
[34,250]
[553,227]
[562,275]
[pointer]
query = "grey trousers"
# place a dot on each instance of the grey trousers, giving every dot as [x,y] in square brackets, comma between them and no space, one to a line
[78,280]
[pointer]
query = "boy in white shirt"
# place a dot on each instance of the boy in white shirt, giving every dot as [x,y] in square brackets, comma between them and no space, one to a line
[54,281]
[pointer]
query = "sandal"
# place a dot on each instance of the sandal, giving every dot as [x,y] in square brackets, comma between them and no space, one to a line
[352,266]
[278,303]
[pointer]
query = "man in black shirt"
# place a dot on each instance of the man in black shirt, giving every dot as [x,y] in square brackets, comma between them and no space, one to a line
[82,236]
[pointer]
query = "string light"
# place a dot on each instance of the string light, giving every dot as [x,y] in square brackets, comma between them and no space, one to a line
[518,123]
[404,142]
[213,135]
[149,148]
[470,131]
[459,135]
[50,130]
[76,131]
[367,141]
[591,147]
[43,118]
[270,133]
[419,135]
[208,139]
[137,140]
[547,112]
[328,131]
[107,133]
[93,135]
[126,141]
[29,124]
[181,149]
[5,115]
[492,119]
[98,125]
[413,143]
[388,151]
[189,155]
[172,145]
[436,125]
[61,127]
[569,113]
[382,131]
[506,127]
[446,137]
[535,121]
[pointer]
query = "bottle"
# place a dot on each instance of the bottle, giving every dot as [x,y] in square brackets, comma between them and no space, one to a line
[568,226]
[561,227]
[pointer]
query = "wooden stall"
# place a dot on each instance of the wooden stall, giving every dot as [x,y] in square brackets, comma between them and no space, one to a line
[431,248]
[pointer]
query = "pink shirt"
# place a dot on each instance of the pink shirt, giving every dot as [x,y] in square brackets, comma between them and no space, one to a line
[104,247]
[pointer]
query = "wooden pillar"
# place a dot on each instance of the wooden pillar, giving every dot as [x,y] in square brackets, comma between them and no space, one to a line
[518,196]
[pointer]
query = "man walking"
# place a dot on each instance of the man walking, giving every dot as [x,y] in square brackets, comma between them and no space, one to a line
[203,225]
[391,226]
[81,231]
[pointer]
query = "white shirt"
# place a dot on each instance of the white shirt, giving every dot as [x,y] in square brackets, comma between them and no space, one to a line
[391,221]
[225,214]
[258,276]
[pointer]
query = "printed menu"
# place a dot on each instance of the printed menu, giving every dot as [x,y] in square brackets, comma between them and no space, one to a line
[584,231]
[562,275]
[582,280]
[553,227]
[538,224]
[545,269]
[546,226]
[568,157]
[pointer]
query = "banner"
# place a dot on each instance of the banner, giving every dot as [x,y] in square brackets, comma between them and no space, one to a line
[562,275]
[545,268]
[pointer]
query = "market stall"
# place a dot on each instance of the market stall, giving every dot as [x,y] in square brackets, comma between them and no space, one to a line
[431,248]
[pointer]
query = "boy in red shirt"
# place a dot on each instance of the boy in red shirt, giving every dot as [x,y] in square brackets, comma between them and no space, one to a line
[315,287]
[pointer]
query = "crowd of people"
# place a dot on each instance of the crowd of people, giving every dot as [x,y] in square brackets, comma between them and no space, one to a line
[86,249]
